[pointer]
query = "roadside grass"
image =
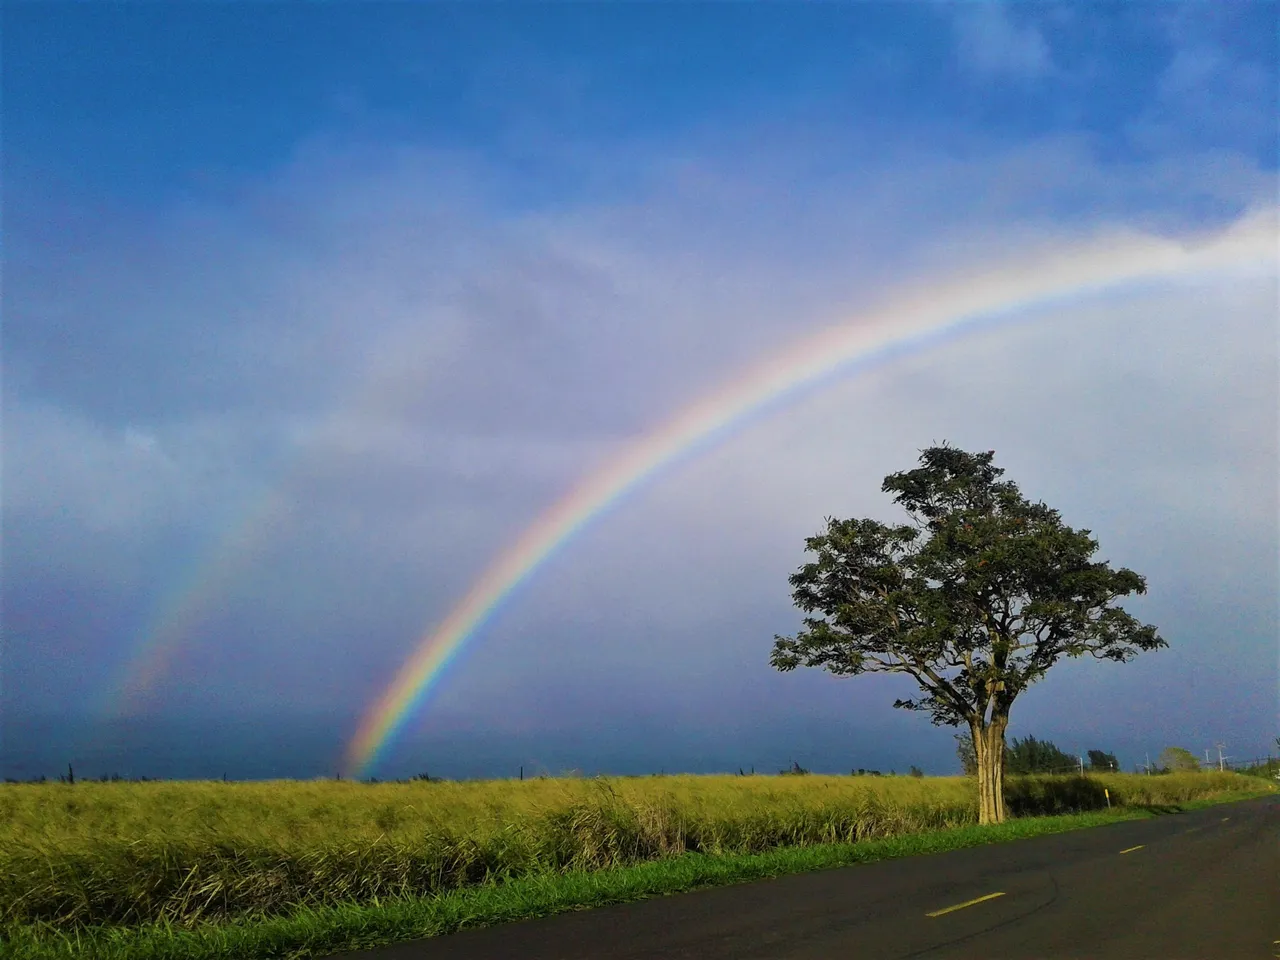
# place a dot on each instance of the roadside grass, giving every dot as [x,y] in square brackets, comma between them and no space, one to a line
[125,854]
[309,931]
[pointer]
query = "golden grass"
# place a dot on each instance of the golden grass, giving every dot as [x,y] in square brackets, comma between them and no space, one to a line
[182,852]
[302,812]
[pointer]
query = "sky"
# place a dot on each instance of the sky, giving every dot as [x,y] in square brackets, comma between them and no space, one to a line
[309,311]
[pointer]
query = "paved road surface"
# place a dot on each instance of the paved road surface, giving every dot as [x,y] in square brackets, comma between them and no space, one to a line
[1202,885]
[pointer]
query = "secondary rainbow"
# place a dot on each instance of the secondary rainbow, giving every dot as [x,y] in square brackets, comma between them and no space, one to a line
[192,599]
[908,323]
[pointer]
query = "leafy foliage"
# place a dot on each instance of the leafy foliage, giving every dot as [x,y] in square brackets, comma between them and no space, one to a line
[1025,756]
[1030,755]
[1103,762]
[1268,769]
[975,599]
[1178,760]
[967,754]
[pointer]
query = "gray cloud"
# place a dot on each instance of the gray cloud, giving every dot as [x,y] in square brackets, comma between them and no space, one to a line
[417,370]
[1135,416]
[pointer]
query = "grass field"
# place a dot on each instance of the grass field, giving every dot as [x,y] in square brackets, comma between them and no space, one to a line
[126,854]
[322,931]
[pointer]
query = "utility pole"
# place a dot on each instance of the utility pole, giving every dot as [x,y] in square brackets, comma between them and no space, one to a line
[1148,763]
[1081,759]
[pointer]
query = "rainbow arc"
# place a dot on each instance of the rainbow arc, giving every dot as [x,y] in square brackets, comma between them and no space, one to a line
[910,323]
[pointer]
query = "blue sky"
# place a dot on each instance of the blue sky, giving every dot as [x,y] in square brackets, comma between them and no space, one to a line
[416,268]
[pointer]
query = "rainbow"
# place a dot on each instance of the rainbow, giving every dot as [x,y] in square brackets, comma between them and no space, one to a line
[200,591]
[906,324]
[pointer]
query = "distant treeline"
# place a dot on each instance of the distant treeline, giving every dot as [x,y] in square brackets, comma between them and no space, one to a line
[70,777]
[1030,755]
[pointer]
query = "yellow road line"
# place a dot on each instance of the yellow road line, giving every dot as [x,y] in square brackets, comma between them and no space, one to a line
[1224,819]
[961,906]
[1131,849]
[1191,830]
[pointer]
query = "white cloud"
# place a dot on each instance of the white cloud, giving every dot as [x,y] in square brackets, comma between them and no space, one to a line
[1162,403]
[1209,91]
[992,45]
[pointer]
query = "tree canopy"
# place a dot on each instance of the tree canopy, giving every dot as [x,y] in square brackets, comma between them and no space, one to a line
[975,598]
[1099,760]
[1178,760]
[1030,755]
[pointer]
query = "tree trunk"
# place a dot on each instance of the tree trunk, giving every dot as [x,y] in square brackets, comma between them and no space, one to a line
[988,743]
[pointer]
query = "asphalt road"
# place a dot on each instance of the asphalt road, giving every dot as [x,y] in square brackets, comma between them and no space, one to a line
[1202,885]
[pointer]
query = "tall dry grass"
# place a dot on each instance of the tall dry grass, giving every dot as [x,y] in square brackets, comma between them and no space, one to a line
[126,853]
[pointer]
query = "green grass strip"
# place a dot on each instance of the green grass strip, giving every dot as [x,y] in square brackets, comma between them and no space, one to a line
[317,932]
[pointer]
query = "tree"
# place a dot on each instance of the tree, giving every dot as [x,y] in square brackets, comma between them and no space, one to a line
[1178,760]
[1037,756]
[1020,756]
[1102,761]
[967,754]
[974,600]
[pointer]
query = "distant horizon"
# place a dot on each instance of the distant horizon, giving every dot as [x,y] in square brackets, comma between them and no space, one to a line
[489,756]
